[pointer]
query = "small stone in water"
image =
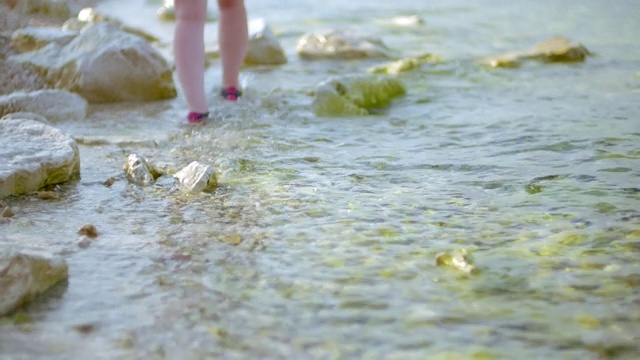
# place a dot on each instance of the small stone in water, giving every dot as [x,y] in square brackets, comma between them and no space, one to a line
[109,182]
[47,195]
[88,230]
[460,260]
[85,328]
[233,239]
[7,212]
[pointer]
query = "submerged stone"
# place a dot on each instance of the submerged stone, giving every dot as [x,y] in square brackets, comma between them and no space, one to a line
[341,45]
[556,49]
[27,274]
[355,94]
[34,155]
[458,259]
[54,8]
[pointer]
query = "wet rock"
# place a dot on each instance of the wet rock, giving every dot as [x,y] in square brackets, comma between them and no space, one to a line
[556,49]
[355,94]
[458,259]
[408,21]
[167,12]
[197,177]
[34,155]
[138,171]
[54,105]
[88,230]
[27,274]
[53,8]
[89,16]
[404,65]
[264,47]
[104,64]
[341,45]
[26,116]
[34,38]
[109,182]
[7,212]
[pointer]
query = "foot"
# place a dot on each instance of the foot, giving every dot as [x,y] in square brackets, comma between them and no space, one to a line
[197,118]
[231,93]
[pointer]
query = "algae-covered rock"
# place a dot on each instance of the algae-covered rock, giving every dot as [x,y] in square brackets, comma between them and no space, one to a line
[105,64]
[556,49]
[341,45]
[34,155]
[404,65]
[26,274]
[355,94]
[458,259]
[54,105]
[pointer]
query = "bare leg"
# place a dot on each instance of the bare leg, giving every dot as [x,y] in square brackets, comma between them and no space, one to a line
[233,38]
[188,48]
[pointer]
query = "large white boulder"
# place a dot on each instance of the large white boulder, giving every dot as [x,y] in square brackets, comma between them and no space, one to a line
[341,45]
[54,105]
[105,64]
[26,274]
[34,155]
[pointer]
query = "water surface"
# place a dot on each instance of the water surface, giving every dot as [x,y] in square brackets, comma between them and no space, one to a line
[534,171]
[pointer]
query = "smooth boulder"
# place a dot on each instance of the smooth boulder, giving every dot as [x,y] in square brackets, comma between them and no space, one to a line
[54,105]
[341,45]
[33,155]
[33,38]
[264,47]
[25,274]
[105,64]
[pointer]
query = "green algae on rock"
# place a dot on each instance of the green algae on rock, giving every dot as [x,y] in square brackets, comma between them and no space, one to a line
[556,49]
[404,65]
[355,94]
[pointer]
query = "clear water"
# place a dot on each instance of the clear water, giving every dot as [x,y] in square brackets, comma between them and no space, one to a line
[534,171]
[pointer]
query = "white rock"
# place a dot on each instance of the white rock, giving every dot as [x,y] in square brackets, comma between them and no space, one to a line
[138,170]
[33,155]
[264,47]
[26,274]
[105,64]
[54,105]
[341,44]
[196,177]
[26,116]
[34,38]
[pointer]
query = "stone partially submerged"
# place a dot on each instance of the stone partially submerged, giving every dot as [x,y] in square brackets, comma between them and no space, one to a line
[197,177]
[138,170]
[104,64]
[33,38]
[25,274]
[264,47]
[341,45]
[355,94]
[556,49]
[404,65]
[54,105]
[34,155]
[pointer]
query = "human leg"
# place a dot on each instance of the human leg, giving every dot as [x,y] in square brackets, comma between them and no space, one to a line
[188,45]
[233,39]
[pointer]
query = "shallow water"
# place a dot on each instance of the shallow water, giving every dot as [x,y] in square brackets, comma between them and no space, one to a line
[534,171]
